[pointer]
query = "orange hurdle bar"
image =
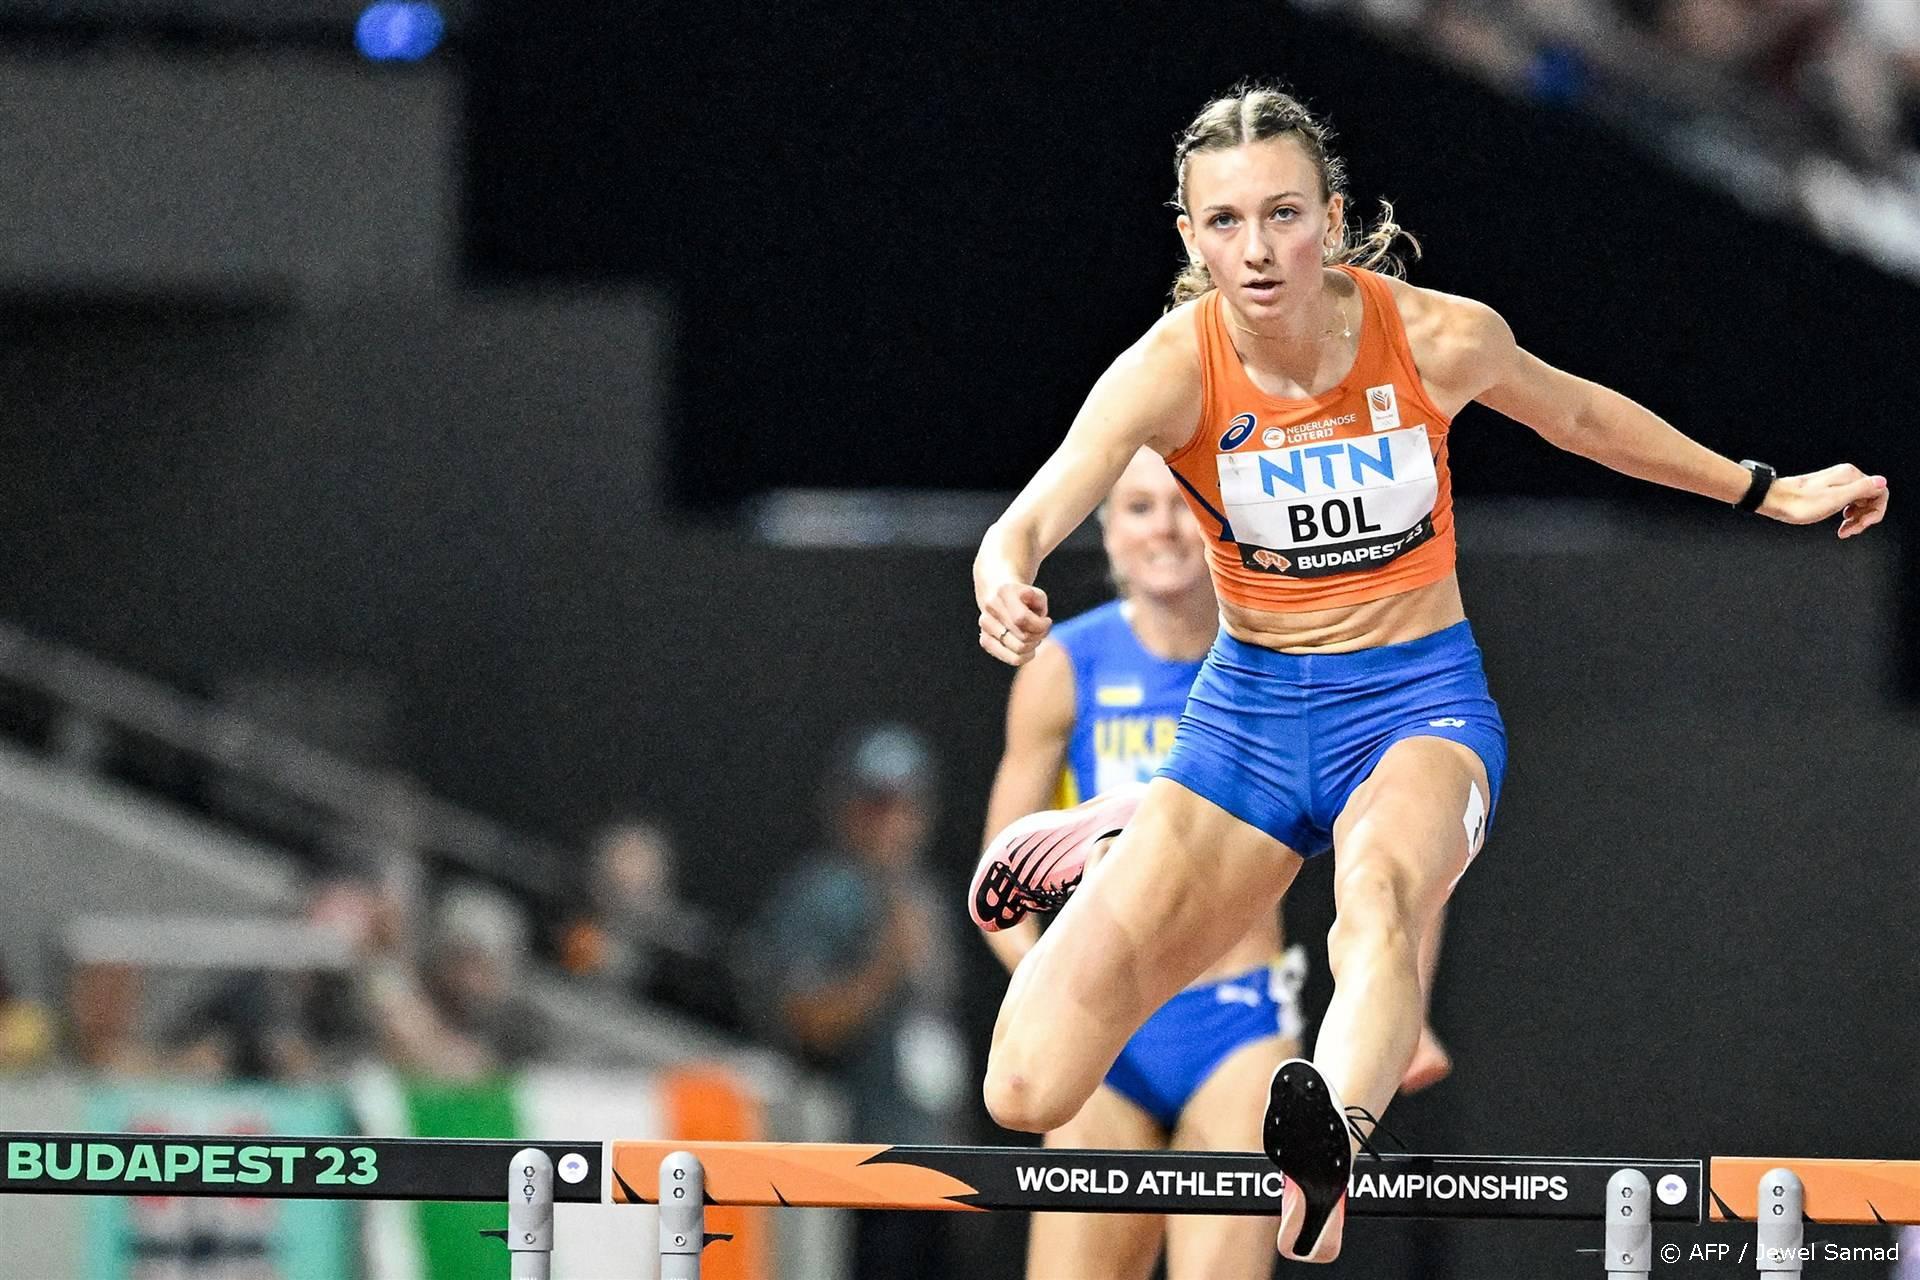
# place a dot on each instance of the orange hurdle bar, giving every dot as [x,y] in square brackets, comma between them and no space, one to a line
[833,1175]
[1839,1192]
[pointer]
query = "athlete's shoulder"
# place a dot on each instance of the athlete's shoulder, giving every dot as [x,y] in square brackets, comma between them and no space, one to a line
[1438,318]
[1155,386]
[1453,339]
[1170,348]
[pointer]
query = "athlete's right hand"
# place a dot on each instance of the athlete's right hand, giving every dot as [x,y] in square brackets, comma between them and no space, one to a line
[1013,622]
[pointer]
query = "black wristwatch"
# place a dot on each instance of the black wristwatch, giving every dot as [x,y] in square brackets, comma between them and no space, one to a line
[1763,477]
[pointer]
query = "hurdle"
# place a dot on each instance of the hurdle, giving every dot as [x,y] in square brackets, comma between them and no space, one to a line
[683,1179]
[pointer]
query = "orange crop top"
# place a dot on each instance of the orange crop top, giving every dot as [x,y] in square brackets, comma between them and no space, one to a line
[1334,500]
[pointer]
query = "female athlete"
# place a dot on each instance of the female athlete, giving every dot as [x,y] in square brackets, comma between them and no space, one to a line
[1302,396]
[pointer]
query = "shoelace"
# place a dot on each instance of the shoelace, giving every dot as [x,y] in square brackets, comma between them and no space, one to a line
[1055,898]
[1049,899]
[1354,1116]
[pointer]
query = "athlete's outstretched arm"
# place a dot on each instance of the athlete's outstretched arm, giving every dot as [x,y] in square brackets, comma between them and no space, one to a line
[1596,422]
[1149,396]
[1039,724]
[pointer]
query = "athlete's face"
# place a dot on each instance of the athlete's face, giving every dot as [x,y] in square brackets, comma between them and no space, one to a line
[1257,217]
[1155,545]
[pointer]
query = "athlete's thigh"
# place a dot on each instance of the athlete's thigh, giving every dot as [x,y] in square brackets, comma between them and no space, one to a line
[1419,817]
[1098,1246]
[1184,881]
[1224,1114]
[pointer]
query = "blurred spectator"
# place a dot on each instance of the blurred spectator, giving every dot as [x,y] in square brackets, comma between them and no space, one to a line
[1803,106]
[442,1002]
[475,962]
[251,1028]
[1879,76]
[854,960]
[637,935]
[292,1026]
[26,1031]
[451,1014]
[103,1018]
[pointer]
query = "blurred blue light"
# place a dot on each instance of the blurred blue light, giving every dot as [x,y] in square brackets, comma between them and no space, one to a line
[1557,74]
[399,32]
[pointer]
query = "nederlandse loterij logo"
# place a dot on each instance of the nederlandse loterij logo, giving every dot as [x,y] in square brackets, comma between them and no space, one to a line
[1318,429]
[1383,407]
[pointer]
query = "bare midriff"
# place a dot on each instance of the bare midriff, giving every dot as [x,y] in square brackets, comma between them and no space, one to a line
[1393,619]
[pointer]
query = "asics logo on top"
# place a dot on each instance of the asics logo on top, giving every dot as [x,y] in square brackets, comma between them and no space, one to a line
[1241,429]
[1238,432]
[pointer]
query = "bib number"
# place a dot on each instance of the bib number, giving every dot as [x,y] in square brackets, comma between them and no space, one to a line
[1336,507]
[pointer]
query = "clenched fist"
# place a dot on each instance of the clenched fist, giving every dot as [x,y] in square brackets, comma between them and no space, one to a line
[1013,622]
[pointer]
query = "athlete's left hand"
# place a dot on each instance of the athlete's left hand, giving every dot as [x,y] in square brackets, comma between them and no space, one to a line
[1811,498]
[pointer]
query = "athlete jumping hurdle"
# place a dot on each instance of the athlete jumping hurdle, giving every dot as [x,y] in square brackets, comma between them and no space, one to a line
[1302,396]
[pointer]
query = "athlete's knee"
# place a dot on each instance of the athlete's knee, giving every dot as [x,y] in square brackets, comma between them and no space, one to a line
[1375,893]
[1017,1099]
[1375,909]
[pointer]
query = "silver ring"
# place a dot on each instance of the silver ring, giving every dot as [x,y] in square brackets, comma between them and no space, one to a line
[1004,633]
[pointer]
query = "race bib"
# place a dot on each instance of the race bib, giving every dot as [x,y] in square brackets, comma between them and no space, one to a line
[1318,509]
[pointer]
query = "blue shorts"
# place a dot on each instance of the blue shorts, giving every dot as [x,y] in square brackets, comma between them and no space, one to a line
[1179,1046]
[1282,740]
[1172,1055]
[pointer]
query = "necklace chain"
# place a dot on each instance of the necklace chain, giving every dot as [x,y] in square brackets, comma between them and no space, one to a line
[1346,330]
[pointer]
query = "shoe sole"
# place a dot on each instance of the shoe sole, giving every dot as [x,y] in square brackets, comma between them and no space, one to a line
[1305,1134]
[1032,849]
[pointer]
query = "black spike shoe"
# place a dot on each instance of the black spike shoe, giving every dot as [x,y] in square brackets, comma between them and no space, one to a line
[1307,1135]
